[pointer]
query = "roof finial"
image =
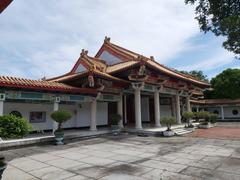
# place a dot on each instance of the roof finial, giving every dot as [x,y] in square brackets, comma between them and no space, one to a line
[107,39]
[84,52]
[152,58]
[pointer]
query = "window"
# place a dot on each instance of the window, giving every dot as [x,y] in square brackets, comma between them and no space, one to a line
[37,117]
[235,112]
[16,113]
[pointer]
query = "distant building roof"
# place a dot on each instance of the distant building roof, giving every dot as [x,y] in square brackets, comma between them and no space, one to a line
[216,101]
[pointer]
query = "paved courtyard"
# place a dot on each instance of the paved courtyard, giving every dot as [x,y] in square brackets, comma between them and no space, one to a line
[127,157]
[217,132]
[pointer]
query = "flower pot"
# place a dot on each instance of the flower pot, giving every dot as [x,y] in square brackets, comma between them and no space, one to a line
[59,136]
[115,129]
[168,133]
[2,168]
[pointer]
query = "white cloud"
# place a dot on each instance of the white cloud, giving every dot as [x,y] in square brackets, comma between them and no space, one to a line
[50,35]
[217,60]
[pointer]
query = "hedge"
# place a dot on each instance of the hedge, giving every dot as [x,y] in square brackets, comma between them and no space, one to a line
[13,127]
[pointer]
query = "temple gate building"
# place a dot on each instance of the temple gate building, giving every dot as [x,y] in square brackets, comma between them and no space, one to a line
[116,80]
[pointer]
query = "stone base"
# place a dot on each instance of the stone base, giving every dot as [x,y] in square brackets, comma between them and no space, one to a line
[168,133]
[206,126]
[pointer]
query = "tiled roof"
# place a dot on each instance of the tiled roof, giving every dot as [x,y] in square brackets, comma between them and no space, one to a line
[134,56]
[119,66]
[13,82]
[66,76]
[88,62]
[86,73]
[110,76]
[177,74]
[124,50]
[198,93]
[216,101]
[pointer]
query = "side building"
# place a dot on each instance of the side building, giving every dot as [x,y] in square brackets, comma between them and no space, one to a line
[116,80]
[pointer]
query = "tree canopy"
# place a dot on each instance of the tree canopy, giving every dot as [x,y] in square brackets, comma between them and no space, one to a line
[222,17]
[197,74]
[225,85]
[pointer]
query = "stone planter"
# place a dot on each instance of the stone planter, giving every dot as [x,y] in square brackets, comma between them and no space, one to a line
[2,168]
[190,129]
[206,126]
[59,136]
[168,133]
[115,129]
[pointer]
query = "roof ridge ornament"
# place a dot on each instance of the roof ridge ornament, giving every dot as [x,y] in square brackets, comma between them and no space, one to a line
[142,58]
[84,53]
[152,58]
[107,39]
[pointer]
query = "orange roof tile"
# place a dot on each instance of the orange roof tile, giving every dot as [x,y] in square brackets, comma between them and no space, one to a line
[216,101]
[135,56]
[6,81]
[119,66]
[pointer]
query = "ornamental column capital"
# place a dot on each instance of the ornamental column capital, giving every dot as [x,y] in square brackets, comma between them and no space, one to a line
[97,97]
[159,88]
[138,85]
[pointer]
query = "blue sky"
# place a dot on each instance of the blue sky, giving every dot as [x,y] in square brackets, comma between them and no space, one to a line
[45,37]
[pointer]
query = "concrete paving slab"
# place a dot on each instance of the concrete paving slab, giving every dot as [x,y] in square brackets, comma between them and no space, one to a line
[51,173]
[63,163]
[96,161]
[12,173]
[29,165]
[129,157]
[43,157]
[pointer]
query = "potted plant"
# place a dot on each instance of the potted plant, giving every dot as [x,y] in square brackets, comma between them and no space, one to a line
[114,121]
[168,121]
[213,118]
[206,116]
[60,117]
[188,116]
[3,166]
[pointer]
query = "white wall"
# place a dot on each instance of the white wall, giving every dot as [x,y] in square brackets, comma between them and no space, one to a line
[84,114]
[212,109]
[145,109]
[228,111]
[102,113]
[80,116]
[72,109]
[26,108]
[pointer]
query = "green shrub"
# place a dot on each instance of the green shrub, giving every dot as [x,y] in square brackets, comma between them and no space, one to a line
[213,118]
[188,116]
[13,127]
[168,121]
[114,119]
[60,117]
[202,115]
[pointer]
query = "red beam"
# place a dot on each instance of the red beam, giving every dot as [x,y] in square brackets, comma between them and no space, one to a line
[4,4]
